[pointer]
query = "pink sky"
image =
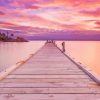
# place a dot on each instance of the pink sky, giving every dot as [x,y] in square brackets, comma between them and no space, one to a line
[50,14]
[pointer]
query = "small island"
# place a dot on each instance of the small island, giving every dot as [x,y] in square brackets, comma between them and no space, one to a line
[7,37]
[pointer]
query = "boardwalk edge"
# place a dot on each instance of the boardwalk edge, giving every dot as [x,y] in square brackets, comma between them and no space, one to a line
[86,70]
[8,70]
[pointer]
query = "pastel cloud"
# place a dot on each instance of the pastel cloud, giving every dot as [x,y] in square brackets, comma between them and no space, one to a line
[51,14]
[2,13]
[95,13]
[37,22]
[97,24]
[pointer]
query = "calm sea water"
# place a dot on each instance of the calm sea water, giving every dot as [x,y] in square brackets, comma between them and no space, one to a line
[86,52]
[13,52]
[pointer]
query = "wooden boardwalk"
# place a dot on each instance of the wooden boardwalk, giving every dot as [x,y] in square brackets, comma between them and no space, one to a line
[49,75]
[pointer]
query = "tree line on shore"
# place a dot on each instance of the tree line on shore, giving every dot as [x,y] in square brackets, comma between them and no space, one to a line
[9,37]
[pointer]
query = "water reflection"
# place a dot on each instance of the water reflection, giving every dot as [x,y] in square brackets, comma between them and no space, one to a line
[12,52]
[86,52]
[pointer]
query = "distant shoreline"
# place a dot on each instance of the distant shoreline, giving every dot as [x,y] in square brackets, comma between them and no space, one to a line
[14,40]
[11,38]
[60,40]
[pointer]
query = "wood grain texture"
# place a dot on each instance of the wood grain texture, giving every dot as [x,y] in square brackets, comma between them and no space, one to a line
[49,75]
[49,97]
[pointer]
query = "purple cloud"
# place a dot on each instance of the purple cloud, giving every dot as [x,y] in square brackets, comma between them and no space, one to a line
[2,13]
[92,12]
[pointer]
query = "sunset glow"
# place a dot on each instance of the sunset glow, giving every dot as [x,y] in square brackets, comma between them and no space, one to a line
[50,14]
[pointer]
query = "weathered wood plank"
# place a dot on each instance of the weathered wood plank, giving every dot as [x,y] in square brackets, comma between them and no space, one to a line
[30,80]
[49,90]
[49,76]
[23,71]
[50,96]
[49,85]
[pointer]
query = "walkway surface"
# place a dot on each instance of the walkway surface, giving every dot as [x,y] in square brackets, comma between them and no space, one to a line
[49,75]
